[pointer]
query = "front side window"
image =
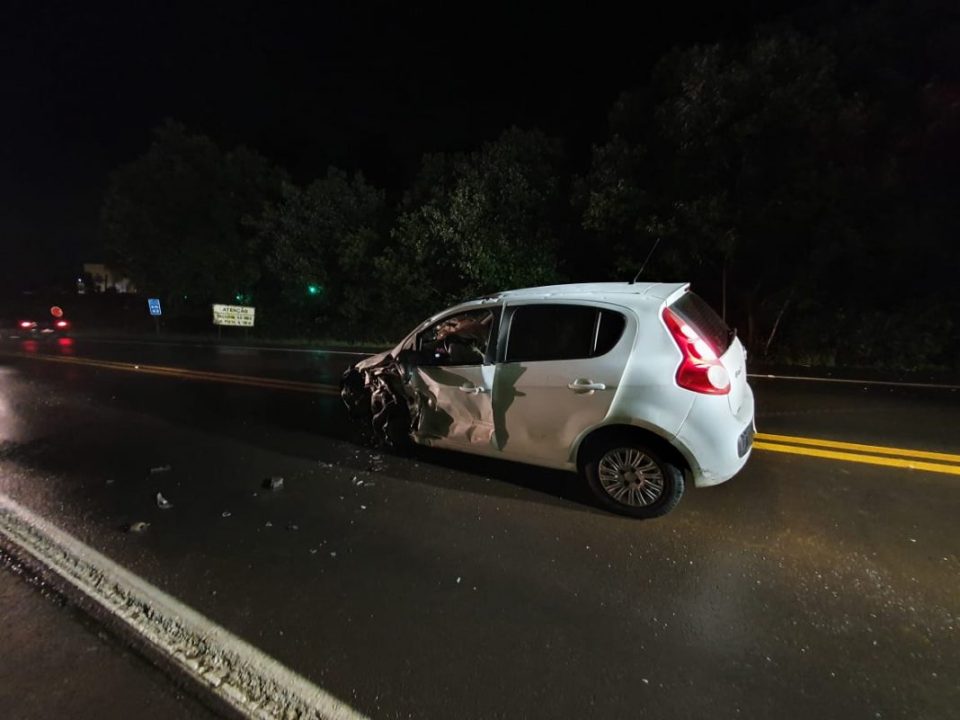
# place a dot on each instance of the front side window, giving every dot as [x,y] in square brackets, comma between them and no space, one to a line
[460,339]
[562,332]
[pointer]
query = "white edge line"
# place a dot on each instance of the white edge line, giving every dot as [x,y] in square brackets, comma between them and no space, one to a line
[891,383]
[246,679]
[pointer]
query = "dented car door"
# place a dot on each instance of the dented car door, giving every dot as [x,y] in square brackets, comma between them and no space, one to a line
[452,377]
[456,406]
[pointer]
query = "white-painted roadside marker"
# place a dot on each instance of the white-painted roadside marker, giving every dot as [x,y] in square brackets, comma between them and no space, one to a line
[241,676]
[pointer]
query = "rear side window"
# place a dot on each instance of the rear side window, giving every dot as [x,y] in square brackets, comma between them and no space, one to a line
[610,329]
[694,310]
[562,332]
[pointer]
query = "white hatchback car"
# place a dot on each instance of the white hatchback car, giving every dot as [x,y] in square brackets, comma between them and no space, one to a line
[640,387]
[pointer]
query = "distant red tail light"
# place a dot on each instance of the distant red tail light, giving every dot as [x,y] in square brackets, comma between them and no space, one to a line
[701,369]
[61,323]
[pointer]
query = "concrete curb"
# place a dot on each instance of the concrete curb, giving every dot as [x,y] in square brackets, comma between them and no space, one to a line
[231,674]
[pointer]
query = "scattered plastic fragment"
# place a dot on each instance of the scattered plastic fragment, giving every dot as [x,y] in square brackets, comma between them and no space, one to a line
[275,483]
[333,554]
[160,469]
[225,513]
[268,524]
[458,581]
[291,526]
[363,507]
[138,527]
[163,503]
[314,551]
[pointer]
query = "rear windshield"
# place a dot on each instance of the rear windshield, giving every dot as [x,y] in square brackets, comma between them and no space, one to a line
[693,310]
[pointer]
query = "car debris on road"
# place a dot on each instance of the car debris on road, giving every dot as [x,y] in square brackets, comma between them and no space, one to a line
[274,483]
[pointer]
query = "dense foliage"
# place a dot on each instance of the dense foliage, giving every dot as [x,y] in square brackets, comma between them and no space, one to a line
[805,180]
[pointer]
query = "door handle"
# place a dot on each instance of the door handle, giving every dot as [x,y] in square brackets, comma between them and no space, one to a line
[472,389]
[585,385]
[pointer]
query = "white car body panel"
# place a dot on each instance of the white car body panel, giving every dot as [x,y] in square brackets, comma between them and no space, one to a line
[459,409]
[541,416]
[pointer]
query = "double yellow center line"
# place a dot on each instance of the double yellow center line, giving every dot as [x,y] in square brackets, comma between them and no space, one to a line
[188,374]
[937,462]
[859,453]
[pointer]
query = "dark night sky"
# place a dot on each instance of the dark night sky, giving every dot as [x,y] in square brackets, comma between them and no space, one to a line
[368,86]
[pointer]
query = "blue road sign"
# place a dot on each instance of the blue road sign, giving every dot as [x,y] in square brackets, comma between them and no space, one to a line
[154,305]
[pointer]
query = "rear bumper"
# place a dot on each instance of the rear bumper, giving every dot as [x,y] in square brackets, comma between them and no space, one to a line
[716,442]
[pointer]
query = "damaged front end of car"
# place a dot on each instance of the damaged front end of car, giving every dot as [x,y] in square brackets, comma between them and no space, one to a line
[434,388]
[379,403]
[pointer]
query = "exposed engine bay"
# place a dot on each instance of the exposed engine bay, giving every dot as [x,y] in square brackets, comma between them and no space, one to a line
[378,404]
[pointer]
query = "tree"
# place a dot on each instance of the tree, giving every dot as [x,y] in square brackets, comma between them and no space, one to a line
[319,244]
[480,222]
[727,159]
[174,219]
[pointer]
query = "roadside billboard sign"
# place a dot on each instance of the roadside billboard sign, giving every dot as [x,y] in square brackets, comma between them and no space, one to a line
[233,315]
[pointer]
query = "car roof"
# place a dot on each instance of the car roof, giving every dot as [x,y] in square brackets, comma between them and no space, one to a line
[620,292]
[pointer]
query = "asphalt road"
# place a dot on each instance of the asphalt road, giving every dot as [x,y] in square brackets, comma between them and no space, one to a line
[448,586]
[58,663]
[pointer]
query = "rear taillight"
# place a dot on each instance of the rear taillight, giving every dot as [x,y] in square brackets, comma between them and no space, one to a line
[61,323]
[701,369]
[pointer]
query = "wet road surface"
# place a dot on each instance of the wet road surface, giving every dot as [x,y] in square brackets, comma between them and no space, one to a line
[448,586]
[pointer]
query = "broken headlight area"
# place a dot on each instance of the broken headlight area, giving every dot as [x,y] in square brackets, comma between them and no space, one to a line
[379,404]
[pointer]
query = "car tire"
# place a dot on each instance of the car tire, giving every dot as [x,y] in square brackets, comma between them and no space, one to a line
[629,477]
